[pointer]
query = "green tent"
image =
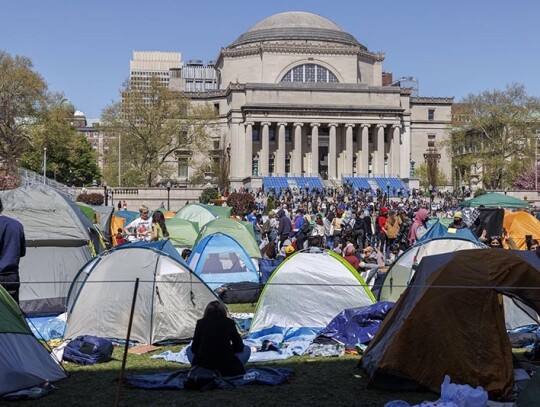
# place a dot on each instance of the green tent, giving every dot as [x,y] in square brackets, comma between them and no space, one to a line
[241,231]
[24,362]
[202,214]
[182,233]
[495,200]
[88,211]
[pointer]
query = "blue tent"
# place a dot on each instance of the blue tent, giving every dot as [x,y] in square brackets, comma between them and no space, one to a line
[438,230]
[219,259]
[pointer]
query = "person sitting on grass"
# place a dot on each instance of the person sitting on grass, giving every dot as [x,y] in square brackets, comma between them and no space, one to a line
[217,345]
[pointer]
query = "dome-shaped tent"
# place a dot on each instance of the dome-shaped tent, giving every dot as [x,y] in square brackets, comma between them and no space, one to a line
[59,241]
[182,233]
[242,232]
[201,214]
[218,259]
[170,299]
[305,292]
[519,225]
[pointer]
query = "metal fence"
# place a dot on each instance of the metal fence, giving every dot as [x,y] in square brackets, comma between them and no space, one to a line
[32,178]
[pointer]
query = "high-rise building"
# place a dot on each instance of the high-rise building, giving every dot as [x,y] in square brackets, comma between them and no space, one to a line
[147,64]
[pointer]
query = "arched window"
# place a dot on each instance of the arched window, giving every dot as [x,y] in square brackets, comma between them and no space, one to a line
[310,73]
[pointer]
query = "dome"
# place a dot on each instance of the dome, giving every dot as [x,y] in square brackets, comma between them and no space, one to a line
[296,25]
[78,113]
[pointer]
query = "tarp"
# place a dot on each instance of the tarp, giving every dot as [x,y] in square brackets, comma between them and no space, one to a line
[60,239]
[450,321]
[170,299]
[304,293]
[201,214]
[242,232]
[24,362]
[355,326]
[219,259]
[182,233]
[519,225]
[495,200]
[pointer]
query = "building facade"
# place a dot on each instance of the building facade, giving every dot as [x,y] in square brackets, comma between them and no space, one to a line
[147,64]
[299,96]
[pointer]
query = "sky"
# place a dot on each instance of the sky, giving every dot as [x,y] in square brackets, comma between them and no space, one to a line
[452,47]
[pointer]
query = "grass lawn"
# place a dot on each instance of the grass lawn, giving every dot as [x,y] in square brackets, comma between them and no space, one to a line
[316,381]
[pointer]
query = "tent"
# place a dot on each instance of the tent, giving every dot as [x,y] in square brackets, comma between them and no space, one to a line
[201,214]
[401,272]
[242,232]
[24,362]
[60,240]
[170,299]
[495,200]
[519,225]
[182,233]
[219,259]
[450,321]
[439,230]
[305,292]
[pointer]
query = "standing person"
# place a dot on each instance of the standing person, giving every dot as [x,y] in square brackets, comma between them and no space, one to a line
[418,228]
[141,227]
[159,229]
[119,205]
[284,227]
[217,344]
[392,229]
[124,205]
[381,223]
[12,248]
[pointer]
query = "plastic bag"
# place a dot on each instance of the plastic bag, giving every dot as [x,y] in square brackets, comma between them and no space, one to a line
[463,395]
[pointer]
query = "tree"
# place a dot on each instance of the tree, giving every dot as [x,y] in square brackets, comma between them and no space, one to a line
[23,97]
[208,194]
[241,203]
[493,135]
[422,172]
[155,122]
[70,157]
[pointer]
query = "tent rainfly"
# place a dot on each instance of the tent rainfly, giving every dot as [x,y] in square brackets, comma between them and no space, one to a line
[201,214]
[495,200]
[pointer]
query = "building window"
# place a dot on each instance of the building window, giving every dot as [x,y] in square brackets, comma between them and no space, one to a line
[431,114]
[183,163]
[271,134]
[271,164]
[287,163]
[216,145]
[287,134]
[309,73]
[431,141]
[255,135]
[255,165]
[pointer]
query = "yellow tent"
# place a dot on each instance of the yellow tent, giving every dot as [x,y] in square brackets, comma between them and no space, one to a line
[519,225]
[116,223]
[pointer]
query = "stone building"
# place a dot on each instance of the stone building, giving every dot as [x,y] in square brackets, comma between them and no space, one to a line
[299,96]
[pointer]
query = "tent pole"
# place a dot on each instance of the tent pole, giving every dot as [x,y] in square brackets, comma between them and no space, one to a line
[124,358]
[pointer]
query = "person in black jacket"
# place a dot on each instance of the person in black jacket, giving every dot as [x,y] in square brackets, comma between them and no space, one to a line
[217,345]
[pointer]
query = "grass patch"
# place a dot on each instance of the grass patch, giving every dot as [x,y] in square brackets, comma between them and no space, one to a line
[316,381]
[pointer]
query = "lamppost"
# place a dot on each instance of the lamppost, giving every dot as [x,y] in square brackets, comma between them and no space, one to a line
[44,164]
[112,198]
[430,198]
[105,193]
[462,189]
[168,195]
[388,192]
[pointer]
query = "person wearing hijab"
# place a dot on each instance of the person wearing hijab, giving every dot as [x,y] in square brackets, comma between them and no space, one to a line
[418,228]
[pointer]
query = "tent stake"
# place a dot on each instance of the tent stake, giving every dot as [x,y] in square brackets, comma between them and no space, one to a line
[124,358]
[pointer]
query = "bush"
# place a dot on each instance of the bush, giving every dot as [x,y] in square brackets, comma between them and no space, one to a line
[9,182]
[241,203]
[91,199]
[208,194]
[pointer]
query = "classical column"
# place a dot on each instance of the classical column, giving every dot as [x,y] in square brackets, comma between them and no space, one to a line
[349,149]
[394,151]
[332,153]
[379,152]
[265,150]
[235,150]
[280,153]
[405,149]
[363,160]
[315,149]
[297,156]
[248,165]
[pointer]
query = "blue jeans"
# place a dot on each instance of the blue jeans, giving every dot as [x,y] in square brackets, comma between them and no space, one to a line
[242,356]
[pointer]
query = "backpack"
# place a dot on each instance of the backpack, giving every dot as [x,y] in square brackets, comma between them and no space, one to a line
[306,227]
[200,378]
[88,350]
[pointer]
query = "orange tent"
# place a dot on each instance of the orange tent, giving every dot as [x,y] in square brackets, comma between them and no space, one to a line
[519,225]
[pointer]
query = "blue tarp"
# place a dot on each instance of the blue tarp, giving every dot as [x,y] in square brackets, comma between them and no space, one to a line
[175,380]
[357,325]
[438,230]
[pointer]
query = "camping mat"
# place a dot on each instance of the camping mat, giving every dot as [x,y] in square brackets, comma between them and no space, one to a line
[175,380]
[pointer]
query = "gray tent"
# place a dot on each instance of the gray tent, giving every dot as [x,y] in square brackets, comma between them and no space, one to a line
[170,299]
[60,240]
